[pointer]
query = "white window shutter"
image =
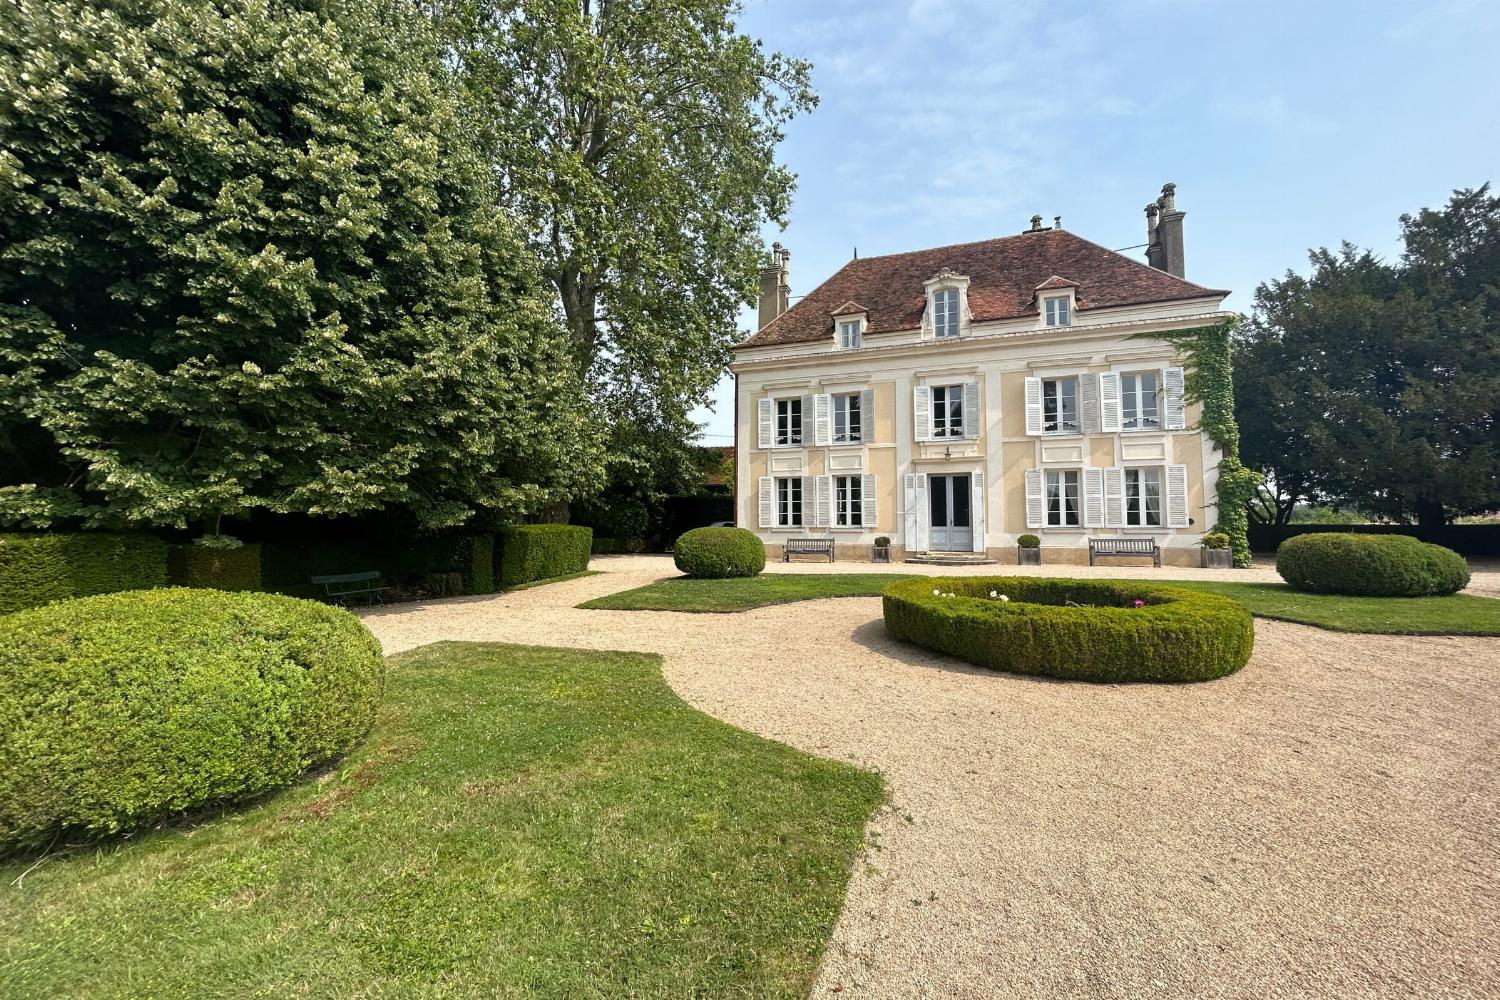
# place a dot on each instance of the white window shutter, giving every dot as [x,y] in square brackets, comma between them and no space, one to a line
[976,511]
[767,423]
[1033,406]
[909,511]
[971,410]
[1174,386]
[868,514]
[1109,402]
[1093,498]
[822,419]
[767,501]
[867,415]
[1036,507]
[808,421]
[1088,391]
[921,412]
[809,501]
[825,501]
[1177,500]
[1114,498]
[922,518]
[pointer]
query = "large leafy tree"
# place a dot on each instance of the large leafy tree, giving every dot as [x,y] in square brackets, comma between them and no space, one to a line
[1377,384]
[252,260]
[638,140]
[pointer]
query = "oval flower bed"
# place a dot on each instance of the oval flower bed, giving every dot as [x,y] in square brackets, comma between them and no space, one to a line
[1094,630]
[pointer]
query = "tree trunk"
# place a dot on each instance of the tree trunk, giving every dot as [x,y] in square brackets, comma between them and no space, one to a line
[1430,514]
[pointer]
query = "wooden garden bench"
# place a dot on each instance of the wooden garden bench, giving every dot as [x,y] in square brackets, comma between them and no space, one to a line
[339,587]
[807,547]
[1101,547]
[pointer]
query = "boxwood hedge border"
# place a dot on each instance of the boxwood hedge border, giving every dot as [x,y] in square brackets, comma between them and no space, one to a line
[1176,635]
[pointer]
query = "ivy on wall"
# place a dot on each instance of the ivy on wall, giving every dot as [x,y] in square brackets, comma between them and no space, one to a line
[1206,354]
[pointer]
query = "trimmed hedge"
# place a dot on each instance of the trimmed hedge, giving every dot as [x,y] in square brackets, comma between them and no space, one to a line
[38,569]
[286,565]
[527,552]
[1370,565]
[719,553]
[122,710]
[218,569]
[1177,635]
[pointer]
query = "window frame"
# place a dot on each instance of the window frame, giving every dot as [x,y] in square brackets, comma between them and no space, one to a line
[784,437]
[1057,311]
[1056,381]
[1136,505]
[853,326]
[786,487]
[952,423]
[1062,497]
[848,498]
[1158,400]
[946,317]
[847,405]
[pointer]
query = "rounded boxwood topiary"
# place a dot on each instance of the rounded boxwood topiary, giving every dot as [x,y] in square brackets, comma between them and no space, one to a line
[1029,542]
[125,709]
[716,553]
[1342,562]
[1093,630]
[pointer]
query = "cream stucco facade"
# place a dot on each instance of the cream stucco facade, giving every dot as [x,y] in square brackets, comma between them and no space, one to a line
[1017,472]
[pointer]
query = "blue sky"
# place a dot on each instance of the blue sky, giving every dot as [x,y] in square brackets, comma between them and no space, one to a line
[1284,125]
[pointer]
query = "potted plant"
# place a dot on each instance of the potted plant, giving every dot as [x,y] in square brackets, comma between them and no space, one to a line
[1216,553]
[1028,551]
[881,551]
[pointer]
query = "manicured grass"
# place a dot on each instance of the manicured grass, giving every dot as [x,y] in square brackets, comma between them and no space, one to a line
[523,822]
[1460,614]
[685,594]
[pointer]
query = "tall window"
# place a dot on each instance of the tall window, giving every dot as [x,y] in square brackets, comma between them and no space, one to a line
[945,313]
[789,502]
[1060,405]
[947,411]
[1143,497]
[1138,394]
[789,420]
[848,421]
[849,334]
[1057,310]
[1062,498]
[848,502]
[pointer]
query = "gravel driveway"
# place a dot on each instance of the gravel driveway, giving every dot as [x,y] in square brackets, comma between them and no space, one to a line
[1325,823]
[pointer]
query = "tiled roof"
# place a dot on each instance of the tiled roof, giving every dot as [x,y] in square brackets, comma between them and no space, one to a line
[1003,278]
[1055,281]
[849,309]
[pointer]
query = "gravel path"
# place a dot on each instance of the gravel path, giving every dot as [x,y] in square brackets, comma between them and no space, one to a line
[1324,823]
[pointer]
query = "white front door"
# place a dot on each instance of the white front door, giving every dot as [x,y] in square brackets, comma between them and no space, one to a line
[948,499]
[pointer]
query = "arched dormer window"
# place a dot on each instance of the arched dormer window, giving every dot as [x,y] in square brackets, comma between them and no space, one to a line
[947,312]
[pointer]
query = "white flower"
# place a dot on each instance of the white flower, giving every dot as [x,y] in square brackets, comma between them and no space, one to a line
[994,594]
[937,593]
[1004,598]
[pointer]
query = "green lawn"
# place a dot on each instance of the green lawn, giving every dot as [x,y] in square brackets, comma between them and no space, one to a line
[523,822]
[684,594]
[1460,614]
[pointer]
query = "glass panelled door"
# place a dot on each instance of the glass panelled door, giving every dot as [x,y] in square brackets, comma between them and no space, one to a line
[952,529]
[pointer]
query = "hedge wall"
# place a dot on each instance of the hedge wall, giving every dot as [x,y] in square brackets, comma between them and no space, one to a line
[1465,539]
[37,569]
[527,552]
[1074,629]
[287,565]
[217,569]
[122,710]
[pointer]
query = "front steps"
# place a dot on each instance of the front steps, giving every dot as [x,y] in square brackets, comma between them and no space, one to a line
[951,559]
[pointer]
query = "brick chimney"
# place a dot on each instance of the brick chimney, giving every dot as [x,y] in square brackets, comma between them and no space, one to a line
[775,293]
[1164,232]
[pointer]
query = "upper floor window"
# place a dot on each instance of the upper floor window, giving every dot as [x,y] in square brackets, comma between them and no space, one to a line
[945,312]
[1143,497]
[789,420]
[849,334]
[1062,498]
[1138,396]
[848,420]
[1060,405]
[947,411]
[1057,310]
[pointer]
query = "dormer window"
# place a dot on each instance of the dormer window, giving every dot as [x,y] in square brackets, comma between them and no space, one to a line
[849,334]
[849,325]
[1058,312]
[945,313]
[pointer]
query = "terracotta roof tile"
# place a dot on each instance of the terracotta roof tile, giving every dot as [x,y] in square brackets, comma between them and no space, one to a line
[849,309]
[1004,275]
[1055,282]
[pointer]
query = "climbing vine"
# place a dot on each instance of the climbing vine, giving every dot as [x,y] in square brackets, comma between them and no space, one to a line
[1210,381]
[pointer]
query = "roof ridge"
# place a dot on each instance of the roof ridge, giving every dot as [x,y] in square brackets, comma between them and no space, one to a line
[955,246]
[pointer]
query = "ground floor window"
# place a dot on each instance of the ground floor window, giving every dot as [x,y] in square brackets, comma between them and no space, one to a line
[1143,497]
[848,502]
[789,502]
[1062,498]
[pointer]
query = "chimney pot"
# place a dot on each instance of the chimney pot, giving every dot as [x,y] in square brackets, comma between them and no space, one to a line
[1057,222]
[1036,223]
[1164,229]
[775,292]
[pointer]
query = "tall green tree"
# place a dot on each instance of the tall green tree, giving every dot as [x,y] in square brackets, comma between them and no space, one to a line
[638,140]
[252,260]
[1377,384]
